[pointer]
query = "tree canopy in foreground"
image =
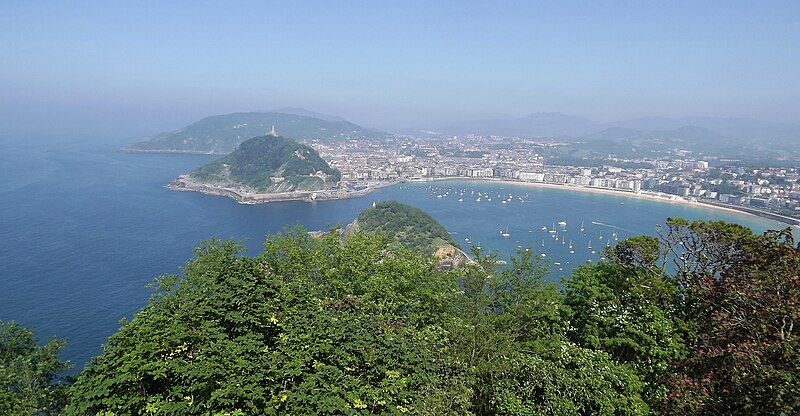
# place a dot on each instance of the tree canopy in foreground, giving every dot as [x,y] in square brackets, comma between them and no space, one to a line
[698,321]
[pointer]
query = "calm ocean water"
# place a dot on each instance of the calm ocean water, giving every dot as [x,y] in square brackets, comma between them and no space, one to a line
[85,228]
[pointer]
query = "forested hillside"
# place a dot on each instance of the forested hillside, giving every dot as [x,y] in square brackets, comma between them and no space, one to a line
[365,326]
[269,163]
[223,133]
[409,226]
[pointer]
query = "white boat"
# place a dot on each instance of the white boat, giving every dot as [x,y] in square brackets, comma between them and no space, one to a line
[562,223]
[505,232]
[582,226]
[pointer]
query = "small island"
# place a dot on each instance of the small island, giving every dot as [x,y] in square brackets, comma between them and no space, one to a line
[265,169]
[411,227]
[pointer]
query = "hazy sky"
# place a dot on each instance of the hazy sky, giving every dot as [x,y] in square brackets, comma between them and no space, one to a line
[138,66]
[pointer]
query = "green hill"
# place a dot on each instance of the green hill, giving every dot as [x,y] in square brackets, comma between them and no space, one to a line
[270,164]
[410,226]
[222,133]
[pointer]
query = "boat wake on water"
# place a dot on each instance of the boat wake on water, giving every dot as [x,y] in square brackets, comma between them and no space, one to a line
[612,226]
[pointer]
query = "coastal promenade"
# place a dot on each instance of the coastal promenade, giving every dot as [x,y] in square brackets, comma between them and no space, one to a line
[245,195]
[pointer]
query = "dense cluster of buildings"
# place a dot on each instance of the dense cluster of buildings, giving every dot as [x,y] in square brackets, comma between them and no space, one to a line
[403,158]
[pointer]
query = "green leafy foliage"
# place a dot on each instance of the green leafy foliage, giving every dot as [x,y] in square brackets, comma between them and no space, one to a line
[512,341]
[29,373]
[409,226]
[628,314]
[574,381]
[256,160]
[308,327]
[364,325]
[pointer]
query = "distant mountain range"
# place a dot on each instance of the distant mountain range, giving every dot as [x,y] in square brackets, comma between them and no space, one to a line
[221,134]
[568,127]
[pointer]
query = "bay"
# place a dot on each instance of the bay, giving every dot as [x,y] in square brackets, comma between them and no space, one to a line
[84,228]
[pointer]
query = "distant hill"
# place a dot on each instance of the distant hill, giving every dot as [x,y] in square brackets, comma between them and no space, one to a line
[564,126]
[410,226]
[738,129]
[613,133]
[534,125]
[303,112]
[270,164]
[694,134]
[222,133]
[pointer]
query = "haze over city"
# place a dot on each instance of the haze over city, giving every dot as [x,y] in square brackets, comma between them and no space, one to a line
[135,69]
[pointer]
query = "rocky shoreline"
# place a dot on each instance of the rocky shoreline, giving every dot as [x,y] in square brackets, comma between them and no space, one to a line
[244,195]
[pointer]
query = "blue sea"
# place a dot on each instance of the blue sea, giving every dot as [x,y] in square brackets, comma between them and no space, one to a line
[84,228]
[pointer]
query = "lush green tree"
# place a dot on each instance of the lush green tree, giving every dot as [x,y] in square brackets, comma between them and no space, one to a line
[311,326]
[29,373]
[570,381]
[701,321]
[512,340]
[627,312]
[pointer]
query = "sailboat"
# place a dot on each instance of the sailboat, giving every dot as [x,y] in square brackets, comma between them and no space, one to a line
[505,232]
[590,245]
[582,226]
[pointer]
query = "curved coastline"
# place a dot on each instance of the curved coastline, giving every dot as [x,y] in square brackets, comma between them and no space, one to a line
[653,196]
[245,196]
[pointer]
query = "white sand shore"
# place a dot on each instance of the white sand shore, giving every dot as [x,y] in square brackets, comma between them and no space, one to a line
[653,196]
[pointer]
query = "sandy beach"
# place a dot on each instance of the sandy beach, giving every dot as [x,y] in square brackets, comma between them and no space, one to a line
[246,196]
[653,196]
